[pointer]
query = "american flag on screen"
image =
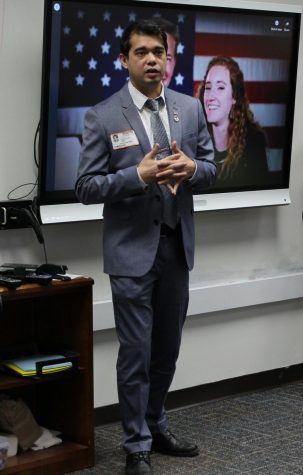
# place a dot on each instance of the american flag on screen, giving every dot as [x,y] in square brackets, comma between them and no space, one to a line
[263,56]
[90,70]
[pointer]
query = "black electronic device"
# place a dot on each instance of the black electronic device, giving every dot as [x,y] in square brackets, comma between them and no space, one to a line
[18,215]
[33,272]
[52,269]
[10,267]
[57,271]
[32,278]
[10,282]
[23,273]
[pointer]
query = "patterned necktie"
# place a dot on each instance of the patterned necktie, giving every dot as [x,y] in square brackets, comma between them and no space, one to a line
[170,211]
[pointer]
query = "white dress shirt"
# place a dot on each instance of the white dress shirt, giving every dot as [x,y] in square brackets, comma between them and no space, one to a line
[139,100]
[145,113]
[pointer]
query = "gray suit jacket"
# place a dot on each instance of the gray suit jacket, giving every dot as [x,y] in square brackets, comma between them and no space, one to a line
[106,175]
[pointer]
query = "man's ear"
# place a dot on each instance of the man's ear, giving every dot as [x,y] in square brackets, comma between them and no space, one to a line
[123,61]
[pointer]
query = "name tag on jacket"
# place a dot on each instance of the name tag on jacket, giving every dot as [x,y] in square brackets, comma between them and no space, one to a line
[124,139]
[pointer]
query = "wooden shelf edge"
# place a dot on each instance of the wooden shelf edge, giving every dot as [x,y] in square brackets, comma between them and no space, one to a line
[47,461]
[8,381]
[54,287]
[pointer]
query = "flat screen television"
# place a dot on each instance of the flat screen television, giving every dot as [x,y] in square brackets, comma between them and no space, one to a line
[81,67]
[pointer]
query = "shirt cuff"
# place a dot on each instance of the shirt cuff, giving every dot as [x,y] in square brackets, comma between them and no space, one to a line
[144,185]
[193,175]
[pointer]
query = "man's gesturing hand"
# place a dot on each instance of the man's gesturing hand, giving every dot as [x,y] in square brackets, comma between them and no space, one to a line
[180,166]
[152,170]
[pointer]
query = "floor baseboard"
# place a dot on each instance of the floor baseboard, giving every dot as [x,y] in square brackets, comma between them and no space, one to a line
[205,392]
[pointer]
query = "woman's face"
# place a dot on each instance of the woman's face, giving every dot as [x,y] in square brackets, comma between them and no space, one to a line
[218,95]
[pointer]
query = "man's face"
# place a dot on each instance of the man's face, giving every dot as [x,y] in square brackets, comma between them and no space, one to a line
[171,59]
[146,63]
[218,95]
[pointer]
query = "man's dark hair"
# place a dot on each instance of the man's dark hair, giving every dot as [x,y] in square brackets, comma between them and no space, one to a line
[141,27]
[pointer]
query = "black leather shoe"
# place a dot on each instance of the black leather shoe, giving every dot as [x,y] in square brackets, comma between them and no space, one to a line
[166,443]
[138,463]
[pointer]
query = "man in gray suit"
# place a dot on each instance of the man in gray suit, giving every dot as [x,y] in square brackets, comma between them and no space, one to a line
[147,256]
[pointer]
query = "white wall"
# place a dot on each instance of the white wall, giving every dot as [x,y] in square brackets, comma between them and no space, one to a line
[232,246]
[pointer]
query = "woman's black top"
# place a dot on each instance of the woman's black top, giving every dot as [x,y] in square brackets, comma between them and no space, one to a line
[252,169]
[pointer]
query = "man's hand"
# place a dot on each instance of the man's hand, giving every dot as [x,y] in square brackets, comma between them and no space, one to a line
[178,167]
[169,171]
[152,170]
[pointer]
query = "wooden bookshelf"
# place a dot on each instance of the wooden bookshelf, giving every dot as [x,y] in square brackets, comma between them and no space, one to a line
[57,315]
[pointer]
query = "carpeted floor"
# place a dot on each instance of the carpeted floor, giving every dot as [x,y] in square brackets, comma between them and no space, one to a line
[253,433]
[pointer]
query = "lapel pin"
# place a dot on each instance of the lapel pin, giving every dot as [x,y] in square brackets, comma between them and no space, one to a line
[176,117]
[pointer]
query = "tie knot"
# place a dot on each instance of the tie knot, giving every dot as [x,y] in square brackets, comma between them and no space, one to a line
[153,104]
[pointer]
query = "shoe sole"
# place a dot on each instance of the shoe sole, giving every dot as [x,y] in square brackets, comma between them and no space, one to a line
[194,453]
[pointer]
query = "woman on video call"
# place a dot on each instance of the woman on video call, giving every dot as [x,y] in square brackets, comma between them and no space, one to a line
[239,141]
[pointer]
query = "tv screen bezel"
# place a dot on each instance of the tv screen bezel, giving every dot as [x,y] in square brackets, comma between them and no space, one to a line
[62,206]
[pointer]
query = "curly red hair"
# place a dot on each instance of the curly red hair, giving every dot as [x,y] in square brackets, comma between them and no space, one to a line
[240,115]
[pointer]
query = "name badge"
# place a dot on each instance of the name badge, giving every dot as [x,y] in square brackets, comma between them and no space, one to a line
[124,139]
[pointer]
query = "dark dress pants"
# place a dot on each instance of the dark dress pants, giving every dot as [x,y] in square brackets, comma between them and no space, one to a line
[149,316]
